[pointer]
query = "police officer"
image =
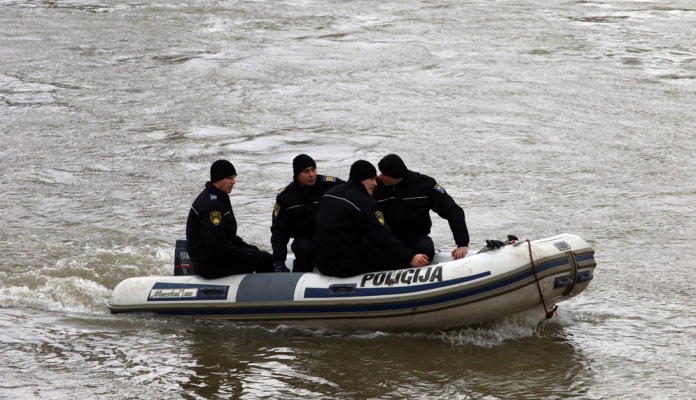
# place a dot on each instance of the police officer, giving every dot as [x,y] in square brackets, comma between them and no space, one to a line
[295,215]
[211,231]
[406,198]
[351,235]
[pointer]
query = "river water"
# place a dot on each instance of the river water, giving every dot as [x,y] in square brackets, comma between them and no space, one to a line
[538,117]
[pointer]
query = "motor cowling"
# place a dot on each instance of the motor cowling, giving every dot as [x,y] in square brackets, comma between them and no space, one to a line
[182,263]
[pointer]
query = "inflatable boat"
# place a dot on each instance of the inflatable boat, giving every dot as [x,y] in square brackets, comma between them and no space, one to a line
[520,276]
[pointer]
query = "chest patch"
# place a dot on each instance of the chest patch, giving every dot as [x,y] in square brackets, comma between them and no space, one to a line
[380,217]
[215,218]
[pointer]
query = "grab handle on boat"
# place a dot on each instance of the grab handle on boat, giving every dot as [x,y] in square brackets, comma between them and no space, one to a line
[562,281]
[213,292]
[342,288]
[584,276]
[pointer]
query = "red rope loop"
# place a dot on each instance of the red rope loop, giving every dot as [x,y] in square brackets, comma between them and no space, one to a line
[549,314]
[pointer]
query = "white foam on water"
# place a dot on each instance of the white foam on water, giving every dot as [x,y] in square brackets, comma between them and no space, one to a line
[70,294]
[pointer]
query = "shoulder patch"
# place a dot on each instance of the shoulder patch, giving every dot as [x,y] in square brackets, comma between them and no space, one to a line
[439,188]
[276,210]
[329,179]
[215,218]
[380,217]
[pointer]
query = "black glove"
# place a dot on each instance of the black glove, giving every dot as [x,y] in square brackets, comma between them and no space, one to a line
[494,244]
[247,255]
[280,267]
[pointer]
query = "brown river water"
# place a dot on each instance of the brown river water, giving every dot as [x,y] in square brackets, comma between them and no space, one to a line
[538,118]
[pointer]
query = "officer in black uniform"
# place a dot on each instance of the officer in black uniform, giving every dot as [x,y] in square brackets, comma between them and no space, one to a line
[406,198]
[351,235]
[295,215]
[211,231]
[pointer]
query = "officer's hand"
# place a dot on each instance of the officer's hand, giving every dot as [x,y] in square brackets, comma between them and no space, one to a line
[494,244]
[247,255]
[419,260]
[460,252]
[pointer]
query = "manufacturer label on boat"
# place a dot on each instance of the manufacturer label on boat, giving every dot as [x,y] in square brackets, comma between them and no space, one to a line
[174,293]
[562,246]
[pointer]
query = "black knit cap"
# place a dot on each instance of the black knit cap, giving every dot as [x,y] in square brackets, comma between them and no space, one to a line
[220,170]
[361,170]
[300,163]
[392,166]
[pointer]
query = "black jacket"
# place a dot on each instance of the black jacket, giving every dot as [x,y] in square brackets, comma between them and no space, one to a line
[211,230]
[295,213]
[350,225]
[406,207]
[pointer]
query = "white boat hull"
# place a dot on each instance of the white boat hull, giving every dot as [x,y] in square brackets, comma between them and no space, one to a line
[479,288]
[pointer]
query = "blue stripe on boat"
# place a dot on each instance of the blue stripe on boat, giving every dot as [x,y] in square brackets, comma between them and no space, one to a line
[320,293]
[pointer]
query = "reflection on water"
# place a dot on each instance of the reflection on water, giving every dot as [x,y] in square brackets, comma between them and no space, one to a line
[258,362]
[141,356]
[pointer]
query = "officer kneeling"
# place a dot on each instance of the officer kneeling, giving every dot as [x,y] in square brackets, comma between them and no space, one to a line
[351,236]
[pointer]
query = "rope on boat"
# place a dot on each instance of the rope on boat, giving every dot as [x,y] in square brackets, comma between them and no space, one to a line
[549,314]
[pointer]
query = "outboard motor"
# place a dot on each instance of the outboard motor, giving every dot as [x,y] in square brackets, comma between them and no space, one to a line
[182,263]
